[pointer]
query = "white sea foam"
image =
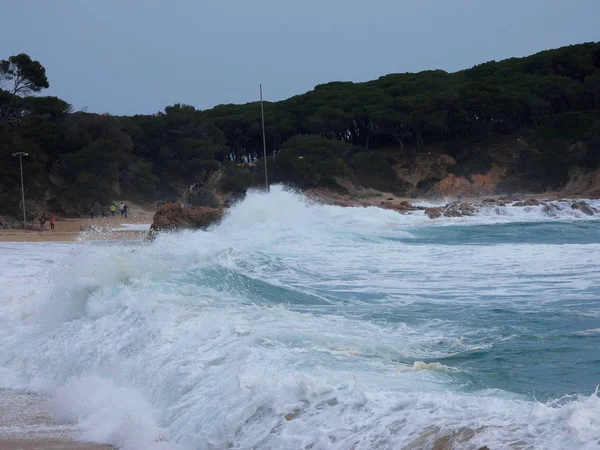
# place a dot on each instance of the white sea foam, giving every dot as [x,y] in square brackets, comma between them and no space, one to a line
[420,365]
[255,334]
[133,227]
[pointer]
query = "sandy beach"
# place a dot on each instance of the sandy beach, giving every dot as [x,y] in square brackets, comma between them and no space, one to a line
[49,444]
[101,228]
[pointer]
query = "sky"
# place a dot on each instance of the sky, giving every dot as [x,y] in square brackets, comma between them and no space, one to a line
[137,56]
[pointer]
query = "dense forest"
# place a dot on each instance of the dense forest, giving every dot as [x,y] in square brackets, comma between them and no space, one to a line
[361,132]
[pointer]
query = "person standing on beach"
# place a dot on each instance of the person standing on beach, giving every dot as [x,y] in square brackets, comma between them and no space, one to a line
[112,209]
[459,198]
[92,213]
[52,222]
[122,209]
[125,209]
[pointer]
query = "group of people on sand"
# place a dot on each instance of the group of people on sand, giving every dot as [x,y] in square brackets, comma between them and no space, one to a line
[44,218]
[123,209]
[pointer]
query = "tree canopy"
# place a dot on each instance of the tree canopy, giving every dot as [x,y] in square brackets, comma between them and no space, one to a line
[359,131]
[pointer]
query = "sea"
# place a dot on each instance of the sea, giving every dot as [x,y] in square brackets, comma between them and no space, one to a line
[298,325]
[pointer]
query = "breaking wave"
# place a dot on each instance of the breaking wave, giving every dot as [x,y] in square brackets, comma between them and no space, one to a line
[299,325]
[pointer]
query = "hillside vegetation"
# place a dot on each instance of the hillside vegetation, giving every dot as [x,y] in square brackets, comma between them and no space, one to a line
[523,122]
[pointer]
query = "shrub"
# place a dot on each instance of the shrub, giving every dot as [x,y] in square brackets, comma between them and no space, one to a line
[203,197]
[373,169]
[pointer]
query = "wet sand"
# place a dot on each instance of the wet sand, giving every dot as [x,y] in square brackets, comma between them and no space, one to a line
[26,424]
[49,444]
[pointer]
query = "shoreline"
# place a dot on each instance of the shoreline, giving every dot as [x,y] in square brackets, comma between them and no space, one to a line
[370,197]
[117,228]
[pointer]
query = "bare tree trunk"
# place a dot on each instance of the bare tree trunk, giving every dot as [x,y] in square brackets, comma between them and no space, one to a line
[400,141]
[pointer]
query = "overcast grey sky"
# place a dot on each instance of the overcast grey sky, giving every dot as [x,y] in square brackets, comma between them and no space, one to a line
[138,56]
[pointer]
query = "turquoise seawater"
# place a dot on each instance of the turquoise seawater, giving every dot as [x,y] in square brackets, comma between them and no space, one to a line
[296,325]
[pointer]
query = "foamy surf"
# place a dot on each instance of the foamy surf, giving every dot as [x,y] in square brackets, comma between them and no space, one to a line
[421,365]
[285,327]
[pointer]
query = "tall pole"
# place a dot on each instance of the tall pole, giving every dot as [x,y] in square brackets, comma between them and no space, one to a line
[20,155]
[262,114]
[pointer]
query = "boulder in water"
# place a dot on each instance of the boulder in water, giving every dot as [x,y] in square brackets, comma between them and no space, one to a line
[173,217]
[451,210]
[459,210]
[584,208]
[434,213]
[402,207]
[551,209]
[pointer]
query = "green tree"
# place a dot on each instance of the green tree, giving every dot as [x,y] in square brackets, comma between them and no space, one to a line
[24,74]
[305,161]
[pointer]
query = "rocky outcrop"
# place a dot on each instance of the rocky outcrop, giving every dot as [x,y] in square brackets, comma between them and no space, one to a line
[401,207]
[451,210]
[173,217]
[583,183]
[328,197]
[500,201]
[434,213]
[427,168]
[549,208]
[479,184]
[584,208]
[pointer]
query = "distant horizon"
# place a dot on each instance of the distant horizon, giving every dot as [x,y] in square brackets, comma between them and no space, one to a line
[124,59]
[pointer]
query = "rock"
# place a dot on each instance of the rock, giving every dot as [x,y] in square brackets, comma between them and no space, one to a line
[451,210]
[459,210]
[528,202]
[509,199]
[452,213]
[292,415]
[551,209]
[473,186]
[434,213]
[489,200]
[584,208]
[172,217]
[466,209]
[402,207]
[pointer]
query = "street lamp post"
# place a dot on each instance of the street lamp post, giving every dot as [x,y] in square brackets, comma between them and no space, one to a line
[20,155]
[262,114]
